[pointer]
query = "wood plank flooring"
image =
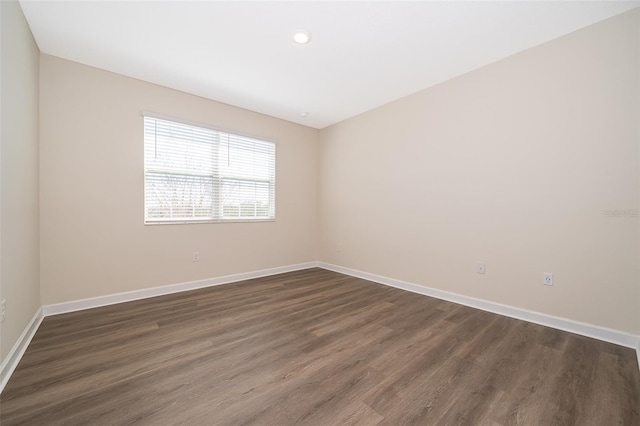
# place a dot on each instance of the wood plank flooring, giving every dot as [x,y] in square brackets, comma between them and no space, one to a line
[314,348]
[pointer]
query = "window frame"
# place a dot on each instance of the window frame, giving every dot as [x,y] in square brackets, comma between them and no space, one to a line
[216,177]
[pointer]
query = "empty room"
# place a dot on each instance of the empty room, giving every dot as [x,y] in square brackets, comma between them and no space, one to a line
[319,213]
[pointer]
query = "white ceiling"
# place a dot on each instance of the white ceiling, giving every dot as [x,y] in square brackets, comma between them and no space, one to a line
[362,54]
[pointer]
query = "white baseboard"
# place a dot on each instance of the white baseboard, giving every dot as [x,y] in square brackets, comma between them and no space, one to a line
[15,355]
[111,299]
[589,330]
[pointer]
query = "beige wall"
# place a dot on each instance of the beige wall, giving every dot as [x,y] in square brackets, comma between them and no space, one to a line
[514,165]
[93,241]
[19,248]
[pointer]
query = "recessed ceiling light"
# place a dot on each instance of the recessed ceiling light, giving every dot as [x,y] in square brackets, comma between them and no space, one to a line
[301,37]
[304,114]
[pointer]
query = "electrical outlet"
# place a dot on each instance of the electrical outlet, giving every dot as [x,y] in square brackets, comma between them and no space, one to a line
[547,278]
[339,246]
[196,256]
[480,268]
[3,310]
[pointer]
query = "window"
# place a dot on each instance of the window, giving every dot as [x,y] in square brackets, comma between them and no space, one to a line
[196,174]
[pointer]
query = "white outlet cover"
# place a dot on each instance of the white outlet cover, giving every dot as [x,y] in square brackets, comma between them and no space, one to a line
[547,278]
[480,268]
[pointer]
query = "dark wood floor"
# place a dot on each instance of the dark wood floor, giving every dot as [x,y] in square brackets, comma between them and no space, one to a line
[314,348]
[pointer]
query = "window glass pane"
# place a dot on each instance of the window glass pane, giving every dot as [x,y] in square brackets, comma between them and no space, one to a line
[244,198]
[178,196]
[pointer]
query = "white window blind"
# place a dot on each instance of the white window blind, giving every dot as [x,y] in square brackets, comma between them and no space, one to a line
[196,174]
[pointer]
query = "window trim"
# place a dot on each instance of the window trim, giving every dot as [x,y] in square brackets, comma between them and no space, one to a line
[195,221]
